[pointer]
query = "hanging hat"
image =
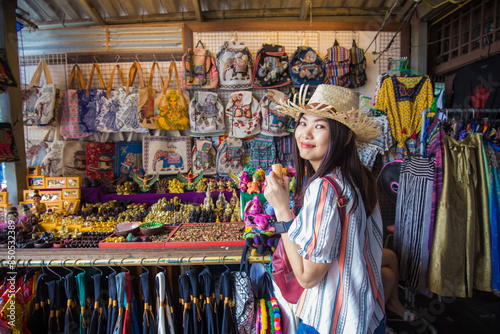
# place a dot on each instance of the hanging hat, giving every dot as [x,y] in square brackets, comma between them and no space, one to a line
[36,194]
[337,103]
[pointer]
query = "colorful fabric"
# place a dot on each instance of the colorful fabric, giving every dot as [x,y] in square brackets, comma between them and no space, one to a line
[413,209]
[350,298]
[8,150]
[271,67]
[403,99]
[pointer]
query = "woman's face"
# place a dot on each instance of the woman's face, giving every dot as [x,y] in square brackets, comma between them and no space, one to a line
[313,136]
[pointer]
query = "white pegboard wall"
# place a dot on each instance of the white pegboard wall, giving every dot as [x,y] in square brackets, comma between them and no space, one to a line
[393,52]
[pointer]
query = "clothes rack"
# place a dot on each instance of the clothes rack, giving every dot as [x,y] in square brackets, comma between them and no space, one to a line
[448,111]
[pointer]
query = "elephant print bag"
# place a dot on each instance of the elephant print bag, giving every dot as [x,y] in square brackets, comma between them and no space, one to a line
[39,103]
[166,155]
[234,63]
[306,67]
[100,160]
[88,100]
[273,123]
[230,156]
[204,156]
[171,106]
[206,115]
[271,67]
[128,160]
[243,114]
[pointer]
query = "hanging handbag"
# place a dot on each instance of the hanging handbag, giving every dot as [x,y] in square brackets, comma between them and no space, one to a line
[243,297]
[283,273]
[108,104]
[8,150]
[146,105]
[171,105]
[74,159]
[100,160]
[88,100]
[69,119]
[166,155]
[198,69]
[39,103]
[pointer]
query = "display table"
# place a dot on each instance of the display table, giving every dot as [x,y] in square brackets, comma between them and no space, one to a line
[97,195]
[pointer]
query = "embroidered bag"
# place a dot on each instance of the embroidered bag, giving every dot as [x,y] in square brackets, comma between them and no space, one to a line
[108,105]
[74,158]
[271,67]
[243,114]
[206,115]
[204,157]
[283,274]
[36,150]
[273,123]
[100,160]
[128,159]
[230,156]
[306,67]
[166,155]
[198,69]
[52,163]
[88,100]
[146,105]
[243,297]
[262,152]
[126,114]
[171,106]
[337,62]
[357,68]
[234,63]
[8,151]
[39,103]
[69,118]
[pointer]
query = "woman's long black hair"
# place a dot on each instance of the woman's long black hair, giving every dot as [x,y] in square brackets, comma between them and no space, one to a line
[342,156]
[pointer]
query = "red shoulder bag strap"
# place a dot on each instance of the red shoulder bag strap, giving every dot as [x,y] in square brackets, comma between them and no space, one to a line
[342,199]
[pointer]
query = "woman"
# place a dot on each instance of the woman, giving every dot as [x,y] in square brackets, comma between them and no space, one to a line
[338,263]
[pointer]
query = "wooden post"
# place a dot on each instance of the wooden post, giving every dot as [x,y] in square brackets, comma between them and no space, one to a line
[11,103]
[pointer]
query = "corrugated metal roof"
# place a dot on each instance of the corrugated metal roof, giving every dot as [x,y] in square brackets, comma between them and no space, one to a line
[46,13]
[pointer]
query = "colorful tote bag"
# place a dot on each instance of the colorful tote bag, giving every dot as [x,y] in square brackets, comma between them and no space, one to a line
[39,103]
[230,156]
[100,160]
[271,67]
[306,67]
[337,63]
[69,118]
[204,157]
[36,150]
[273,123]
[146,105]
[128,159]
[8,150]
[234,63]
[74,158]
[206,115]
[243,114]
[166,155]
[171,106]
[52,163]
[108,104]
[198,69]
[88,100]
[126,114]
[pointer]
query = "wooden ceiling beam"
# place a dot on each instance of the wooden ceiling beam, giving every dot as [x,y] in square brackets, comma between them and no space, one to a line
[197,10]
[304,10]
[93,13]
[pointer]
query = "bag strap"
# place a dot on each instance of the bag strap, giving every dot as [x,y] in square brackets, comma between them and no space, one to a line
[342,200]
[173,67]
[76,72]
[35,79]
[110,82]
[95,68]
[135,69]
[244,263]
[150,82]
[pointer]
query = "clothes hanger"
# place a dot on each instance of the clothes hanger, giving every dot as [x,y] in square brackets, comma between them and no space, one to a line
[161,268]
[74,266]
[52,271]
[114,271]
[203,262]
[92,265]
[223,262]
[64,267]
[124,268]
[143,267]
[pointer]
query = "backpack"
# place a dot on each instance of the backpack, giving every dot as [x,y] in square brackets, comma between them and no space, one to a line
[357,68]
[273,123]
[271,67]
[204,157]
[243,113]
[262,152]
[306,67]
[206,115]
[230,156]
[198,69]
[234,63]
[337,61]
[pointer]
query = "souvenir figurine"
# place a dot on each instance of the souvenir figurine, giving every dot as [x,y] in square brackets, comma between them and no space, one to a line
[254,186]
[208,202]
[190,180]
[234,200]
[253,206]
[221,185]
[201,186]
[221,201]
[211,185]
[146,182]
[229,185]
[161,186]
[175,186]
[261,173]
[38,207]
[110,186]
[226,218]
[236,216]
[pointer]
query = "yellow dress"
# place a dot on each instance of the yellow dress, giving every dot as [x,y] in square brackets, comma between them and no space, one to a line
[404,99]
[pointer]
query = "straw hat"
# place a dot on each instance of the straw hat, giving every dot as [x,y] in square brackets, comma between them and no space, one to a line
[337,103]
